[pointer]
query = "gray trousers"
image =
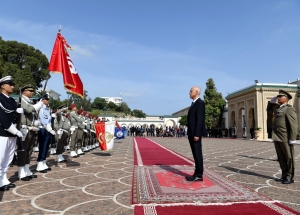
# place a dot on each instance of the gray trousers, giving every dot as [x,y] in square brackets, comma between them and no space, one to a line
[61,143]
[28,143]
[73,140]
[285,154]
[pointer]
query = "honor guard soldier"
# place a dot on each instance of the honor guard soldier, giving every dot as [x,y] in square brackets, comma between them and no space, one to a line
[30,123]
[53,139]
[8,131]
[67,147]
[74,120]
[44,135]
[285,130]
[81,130]
[62,132]
[86,134]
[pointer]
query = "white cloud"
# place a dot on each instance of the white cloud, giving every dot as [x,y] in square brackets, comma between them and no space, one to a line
[154,80]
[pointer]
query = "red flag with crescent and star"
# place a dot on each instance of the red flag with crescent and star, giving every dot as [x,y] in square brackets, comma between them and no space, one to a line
[61,62]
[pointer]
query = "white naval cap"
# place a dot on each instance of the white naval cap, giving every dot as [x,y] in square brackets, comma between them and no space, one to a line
[6,80]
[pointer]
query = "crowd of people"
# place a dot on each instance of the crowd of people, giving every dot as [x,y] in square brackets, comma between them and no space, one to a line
[29,126]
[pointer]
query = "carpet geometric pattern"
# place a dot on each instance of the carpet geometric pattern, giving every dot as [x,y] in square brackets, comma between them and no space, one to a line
[150,187]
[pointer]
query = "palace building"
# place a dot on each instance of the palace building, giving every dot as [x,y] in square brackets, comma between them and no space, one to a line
[248,106]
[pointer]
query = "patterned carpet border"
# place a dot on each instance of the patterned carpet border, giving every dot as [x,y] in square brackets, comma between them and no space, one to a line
[147,188]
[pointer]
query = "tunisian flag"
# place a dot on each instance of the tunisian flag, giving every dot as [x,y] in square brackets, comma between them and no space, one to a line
[105,134]
[61,62]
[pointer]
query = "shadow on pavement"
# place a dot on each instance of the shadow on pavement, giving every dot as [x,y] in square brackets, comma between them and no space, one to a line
[246,156]
[102,153]
[246,172]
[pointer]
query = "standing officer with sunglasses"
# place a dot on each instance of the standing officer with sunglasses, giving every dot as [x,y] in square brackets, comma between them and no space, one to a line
[29,128]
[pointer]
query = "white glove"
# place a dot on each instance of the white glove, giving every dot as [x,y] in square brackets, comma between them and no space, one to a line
[85,130]
[37,122]
[91,122]
[20,110]
[19,134]
[13,130]
[292,142]
[65,109]
[54,115]
[49,129]
[38,105]
[84,123]
[273,100]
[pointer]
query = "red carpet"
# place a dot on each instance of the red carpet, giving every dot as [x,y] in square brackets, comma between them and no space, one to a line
[159,187]
[153,154]
[236,209]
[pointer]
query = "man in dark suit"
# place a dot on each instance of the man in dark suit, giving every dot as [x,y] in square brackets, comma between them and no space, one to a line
[196,129]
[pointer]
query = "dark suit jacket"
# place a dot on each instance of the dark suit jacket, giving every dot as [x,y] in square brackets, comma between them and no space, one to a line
[196,119]
[6,119]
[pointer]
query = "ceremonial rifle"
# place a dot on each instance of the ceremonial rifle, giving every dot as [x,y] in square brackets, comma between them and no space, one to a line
[20,143]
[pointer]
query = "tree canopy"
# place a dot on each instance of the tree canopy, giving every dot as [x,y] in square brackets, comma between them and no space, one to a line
[99,103]
[214,105]
[24,63]
[183,120]
[138,113]
[85,104]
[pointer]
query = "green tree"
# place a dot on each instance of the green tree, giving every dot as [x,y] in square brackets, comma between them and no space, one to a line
[24,63]
[214,105]
[138,113]
[112,106]
[124,108]
[183,120]
[85,103]
[55,103]
[96,112]
[99,103]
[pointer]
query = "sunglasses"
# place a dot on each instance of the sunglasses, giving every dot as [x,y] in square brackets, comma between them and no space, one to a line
[30,90]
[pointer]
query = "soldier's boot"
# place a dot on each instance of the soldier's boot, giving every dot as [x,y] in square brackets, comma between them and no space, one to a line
[73,154]
[40,167]
[3,187]
[28,172]
[22,174]
[80,152]
[84,149]
[46,167]
[52,151]
[7,182]
[67,147]
[60,159]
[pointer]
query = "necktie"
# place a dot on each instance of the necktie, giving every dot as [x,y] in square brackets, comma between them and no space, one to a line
[192,103]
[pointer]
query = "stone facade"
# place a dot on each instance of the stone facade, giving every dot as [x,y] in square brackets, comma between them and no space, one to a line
[248,106]
[149,121]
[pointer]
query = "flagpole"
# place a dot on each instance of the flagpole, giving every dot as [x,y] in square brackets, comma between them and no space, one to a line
[43,92]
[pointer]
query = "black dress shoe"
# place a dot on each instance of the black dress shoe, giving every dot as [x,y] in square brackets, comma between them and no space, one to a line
[11,185]
[32,176]
[25,178]
[49,169]
[4,188]
[76,156]
[82,153]
[194,178]
[43,171]
[288,181]
[279,179]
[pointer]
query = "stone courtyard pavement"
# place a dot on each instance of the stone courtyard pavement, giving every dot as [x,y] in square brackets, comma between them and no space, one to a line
[100,182]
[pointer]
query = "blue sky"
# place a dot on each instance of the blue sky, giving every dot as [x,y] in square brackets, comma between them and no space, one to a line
[154,51]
